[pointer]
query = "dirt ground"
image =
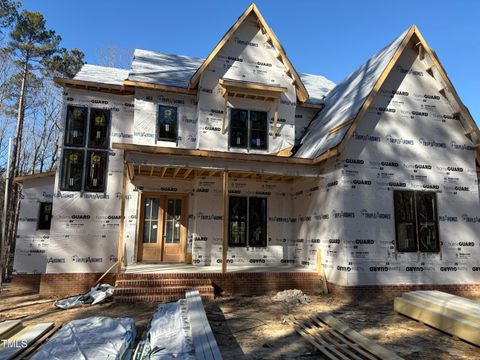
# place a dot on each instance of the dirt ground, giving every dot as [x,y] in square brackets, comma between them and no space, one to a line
[252,327]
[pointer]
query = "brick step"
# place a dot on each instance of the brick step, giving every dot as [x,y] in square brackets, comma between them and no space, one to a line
[129,283]
[157,298]
[169,290]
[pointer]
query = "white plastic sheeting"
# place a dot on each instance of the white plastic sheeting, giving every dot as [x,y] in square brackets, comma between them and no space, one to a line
[317,86]
[31,248]
[102,74]
[344,101]
[169,335]
[99,338]
[96,295]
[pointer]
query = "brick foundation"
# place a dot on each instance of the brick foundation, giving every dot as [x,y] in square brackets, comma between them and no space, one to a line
[246,283]
[390,291]
[28,283]
[71,284]
[241,283]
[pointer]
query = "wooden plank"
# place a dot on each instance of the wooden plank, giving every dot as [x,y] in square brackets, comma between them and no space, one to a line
[225,222]
[164,170]
[187,172]
[176,171]
[39,342]
[225,110]
[275,118]
[344,339]
[321,271]
[204,342]
[166,88]
[448,323]
[227,83]
[9,327]
[27,335]
[354,336]
[122,220]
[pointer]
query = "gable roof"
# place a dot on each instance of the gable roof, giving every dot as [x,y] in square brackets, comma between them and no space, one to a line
[302,93]
[163,69]
[349,100]
[101,74]
[343,103]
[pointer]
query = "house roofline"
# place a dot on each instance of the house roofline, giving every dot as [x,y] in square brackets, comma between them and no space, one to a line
[20,179]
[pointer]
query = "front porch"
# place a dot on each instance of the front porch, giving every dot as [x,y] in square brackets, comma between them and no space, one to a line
[176,268]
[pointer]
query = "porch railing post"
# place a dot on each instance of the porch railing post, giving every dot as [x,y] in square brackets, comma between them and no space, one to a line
[225,222]
[121,244]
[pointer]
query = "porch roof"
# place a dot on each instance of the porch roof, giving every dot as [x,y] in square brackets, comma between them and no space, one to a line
[186,165]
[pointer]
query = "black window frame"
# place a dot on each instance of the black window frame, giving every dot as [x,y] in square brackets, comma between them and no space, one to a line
[248,216]
[85,150]
[416,221]
[249,130]
[158,125]
[41,224]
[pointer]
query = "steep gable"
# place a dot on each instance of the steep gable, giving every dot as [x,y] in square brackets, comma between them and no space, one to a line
[348,102]
[252,14]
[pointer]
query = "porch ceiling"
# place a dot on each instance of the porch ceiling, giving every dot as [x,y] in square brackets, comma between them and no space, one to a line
[189,173]
[189,167]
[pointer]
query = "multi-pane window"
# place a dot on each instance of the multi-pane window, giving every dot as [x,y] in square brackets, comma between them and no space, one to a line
[84,161]
[416,221]
[150,220]
[247,221]
[248,129]
[167,123]
[45,216]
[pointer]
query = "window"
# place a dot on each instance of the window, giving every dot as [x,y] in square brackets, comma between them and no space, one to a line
[75,126]
[45,216]
[247,221]
[84,161]
[248,129]
[416,221]
[167,123]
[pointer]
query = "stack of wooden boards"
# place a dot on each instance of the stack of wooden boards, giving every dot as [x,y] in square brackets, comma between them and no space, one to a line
[452,314]
[17,339]
[335,340]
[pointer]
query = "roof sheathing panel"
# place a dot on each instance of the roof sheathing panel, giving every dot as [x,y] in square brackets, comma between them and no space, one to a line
[343,102]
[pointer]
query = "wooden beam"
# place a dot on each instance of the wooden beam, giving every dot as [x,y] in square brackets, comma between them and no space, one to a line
[187,172]
[311,106]
[166,88]
[211,154]
[421,52]
[225,110]
[131,172]
[121,239]
[213,173]
[175,172]
[275,118]
[341,126]
[164,170]
[151,170]
[225,222]
[247,85]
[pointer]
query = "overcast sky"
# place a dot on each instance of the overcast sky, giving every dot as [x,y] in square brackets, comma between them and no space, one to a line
[330,38]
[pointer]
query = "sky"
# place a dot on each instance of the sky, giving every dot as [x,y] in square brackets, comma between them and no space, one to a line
[329,38]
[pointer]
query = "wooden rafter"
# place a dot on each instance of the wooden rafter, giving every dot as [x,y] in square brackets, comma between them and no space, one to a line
[187,172]
[176,171]
[164,170]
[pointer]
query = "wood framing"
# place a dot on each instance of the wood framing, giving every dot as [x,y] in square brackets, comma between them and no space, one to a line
[225,222]
[121,239]
[20,179]
[166,88]
[302,93]
[94,86]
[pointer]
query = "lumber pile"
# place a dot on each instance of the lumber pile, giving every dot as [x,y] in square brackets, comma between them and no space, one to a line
[452,314]
[335,340]
[17,339]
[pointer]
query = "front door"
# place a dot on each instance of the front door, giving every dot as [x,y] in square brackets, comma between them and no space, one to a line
[162,231]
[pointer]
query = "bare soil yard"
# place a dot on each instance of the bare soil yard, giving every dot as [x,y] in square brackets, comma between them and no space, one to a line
[254,328]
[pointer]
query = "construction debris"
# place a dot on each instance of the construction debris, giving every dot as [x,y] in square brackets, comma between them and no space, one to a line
[96,295]
[293,297]
[90,338]
[336,340]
